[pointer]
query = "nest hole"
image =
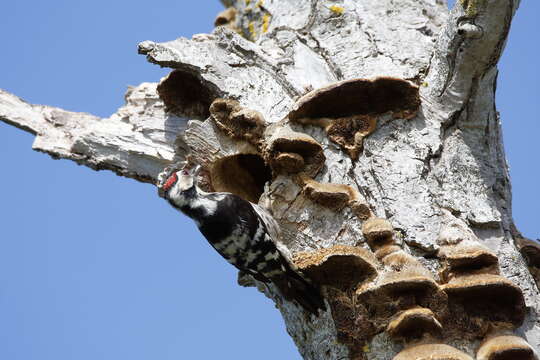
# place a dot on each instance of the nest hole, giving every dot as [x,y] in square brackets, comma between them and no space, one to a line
[244,175]
[185,94]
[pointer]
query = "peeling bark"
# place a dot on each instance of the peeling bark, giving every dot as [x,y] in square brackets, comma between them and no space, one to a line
[397,204]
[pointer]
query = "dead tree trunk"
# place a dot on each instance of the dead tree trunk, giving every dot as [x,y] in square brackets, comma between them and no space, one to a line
[369,129]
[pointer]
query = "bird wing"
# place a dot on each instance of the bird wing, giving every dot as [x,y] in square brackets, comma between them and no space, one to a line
[274,231]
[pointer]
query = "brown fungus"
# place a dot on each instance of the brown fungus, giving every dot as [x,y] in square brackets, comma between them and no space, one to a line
[399,260]
[505,347]
[244,175]
[396,291]
[360,209]
[386,250]
[530,250]
[342,267]
[186,94]
[238,122]
[414,324]
[432,352]
[349,132]
[289,162]
[226,17]
[359,97]
[332,196]
[348,110]
[488,298]
[292,152]
[467,258]
[378,232]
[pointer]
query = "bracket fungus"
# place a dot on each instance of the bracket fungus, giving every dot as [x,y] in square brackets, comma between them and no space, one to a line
[530,250]
[186,94]
[348,110]
[333,196]
[378,232]
[467,258]
[505,347]
[432,352]
[360,208]
[238,122]
[387,250]
[414,324]
[491,298]
[226,18]
[342,267]
[292,152]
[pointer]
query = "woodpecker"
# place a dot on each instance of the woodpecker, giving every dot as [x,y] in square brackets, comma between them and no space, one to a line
[245,234]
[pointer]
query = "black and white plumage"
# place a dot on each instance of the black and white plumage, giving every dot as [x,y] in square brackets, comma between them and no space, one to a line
[245,234]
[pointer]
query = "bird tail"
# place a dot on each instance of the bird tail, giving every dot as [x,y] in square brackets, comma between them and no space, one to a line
[293,287]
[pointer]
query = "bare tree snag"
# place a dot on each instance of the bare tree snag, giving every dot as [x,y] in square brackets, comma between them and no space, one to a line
[369,130]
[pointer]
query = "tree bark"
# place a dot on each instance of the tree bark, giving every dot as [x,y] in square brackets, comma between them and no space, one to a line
[369,129]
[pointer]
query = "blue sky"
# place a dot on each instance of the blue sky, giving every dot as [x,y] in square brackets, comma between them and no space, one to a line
[94,266]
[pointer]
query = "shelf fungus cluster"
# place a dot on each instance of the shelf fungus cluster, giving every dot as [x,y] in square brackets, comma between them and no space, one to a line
[388,290]
[348,110]
[405,300]
[480,299]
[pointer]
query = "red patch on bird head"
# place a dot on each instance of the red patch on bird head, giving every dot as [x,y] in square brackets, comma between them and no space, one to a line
[170,182]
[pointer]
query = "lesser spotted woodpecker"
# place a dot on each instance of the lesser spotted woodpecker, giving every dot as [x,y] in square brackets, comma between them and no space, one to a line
[245,234]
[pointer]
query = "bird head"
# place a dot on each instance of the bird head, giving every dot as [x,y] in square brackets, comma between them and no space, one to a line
[179,181]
